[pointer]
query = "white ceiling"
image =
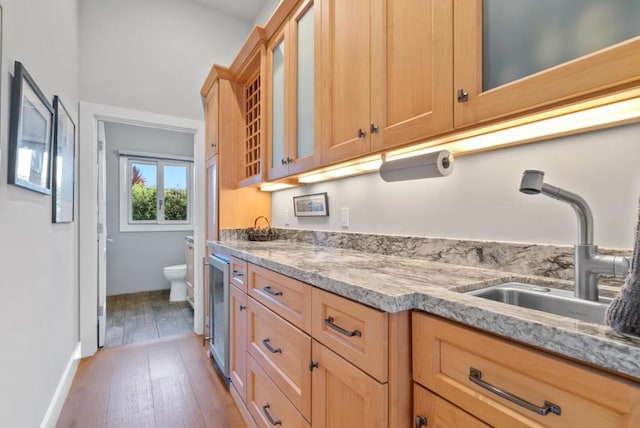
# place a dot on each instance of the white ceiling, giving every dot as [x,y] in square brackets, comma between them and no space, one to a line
[243,9]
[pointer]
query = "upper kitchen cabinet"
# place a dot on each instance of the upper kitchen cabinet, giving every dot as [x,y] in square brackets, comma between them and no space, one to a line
[514,57]
[218,81]
[386,74]
[211,120]
[250,99]
[293,95]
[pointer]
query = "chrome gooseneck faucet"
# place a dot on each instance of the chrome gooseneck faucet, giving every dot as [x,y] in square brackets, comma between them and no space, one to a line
[588,263]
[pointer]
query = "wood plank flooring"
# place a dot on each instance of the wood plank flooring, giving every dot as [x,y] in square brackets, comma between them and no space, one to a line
[136,317]
[167,382]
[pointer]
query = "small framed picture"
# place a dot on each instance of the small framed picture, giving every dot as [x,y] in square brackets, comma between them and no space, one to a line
[30,133]
[64,149]
[314,205]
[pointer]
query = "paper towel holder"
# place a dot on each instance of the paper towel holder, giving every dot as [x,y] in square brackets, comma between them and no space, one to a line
[429,165]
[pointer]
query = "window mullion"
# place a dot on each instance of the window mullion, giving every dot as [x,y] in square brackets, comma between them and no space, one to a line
[160,192]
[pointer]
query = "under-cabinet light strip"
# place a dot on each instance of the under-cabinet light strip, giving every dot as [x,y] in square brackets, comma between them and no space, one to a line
[596,117]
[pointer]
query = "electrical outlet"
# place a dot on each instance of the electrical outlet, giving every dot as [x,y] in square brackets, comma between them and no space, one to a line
[344,217]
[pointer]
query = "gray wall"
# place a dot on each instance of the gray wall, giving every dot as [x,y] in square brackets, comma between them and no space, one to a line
[135,259]
[266,11]
[38,259]
[153,55]
[480,199]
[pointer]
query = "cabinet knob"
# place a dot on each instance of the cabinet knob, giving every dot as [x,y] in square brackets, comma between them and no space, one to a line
[284,162]
[421,421]
[289,160]
[374,128]
[463,95]
[362,133]
[242,308]
[313,365]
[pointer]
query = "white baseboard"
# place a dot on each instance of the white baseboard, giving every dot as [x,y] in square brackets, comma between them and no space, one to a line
[57,402]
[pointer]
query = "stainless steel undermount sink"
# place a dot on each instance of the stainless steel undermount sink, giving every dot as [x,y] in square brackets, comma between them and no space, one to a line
[545,299]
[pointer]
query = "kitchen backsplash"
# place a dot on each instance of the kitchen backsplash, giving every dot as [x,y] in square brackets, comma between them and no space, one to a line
[530,259]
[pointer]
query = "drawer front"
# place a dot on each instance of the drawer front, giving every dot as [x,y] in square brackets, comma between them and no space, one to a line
[357,332]
[238,340]
[283,351]
[461,365]
[429,410]
[267,404]
[285,296]
[238,269]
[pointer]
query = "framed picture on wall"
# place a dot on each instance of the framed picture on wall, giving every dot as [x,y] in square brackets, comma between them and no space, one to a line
[30,134]
[64,149]
[314,205]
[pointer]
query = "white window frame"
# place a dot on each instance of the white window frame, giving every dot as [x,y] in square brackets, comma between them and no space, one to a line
[159,225]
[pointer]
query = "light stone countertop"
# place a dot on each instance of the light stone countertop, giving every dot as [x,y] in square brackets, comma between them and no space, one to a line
[395,284]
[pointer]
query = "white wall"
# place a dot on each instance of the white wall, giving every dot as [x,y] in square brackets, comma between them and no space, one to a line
[135,259]
[266,11]
[480,199]
[38,268]
[153,55]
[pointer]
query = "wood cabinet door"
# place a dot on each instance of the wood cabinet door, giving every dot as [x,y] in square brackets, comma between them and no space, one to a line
[346,82]
[603,69]
[304,83]
[342,395]
[412,71]
[431,411]
[211,120]
[238,340]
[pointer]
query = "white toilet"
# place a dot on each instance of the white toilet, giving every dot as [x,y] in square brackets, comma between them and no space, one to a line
[177,276]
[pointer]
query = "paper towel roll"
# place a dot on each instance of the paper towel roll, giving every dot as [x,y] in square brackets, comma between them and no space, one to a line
[437,164]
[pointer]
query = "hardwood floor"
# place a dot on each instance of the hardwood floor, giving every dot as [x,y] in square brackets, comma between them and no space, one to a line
[168,382]
[137,317]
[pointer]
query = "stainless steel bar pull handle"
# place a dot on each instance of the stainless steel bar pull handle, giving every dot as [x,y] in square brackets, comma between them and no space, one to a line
[237,273]
[329,323]
[265,343]
[265,410]
[475,376]
[268,289]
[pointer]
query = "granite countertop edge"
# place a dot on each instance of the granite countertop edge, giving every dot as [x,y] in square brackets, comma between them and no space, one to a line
[330,268]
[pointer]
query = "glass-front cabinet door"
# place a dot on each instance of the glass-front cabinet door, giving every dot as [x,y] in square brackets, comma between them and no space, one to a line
[513,56]
[278,161]
[292,63]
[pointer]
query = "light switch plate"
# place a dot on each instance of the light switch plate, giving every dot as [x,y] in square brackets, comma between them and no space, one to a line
[344,217]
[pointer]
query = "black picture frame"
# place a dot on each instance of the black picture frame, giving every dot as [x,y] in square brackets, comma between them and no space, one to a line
[30,134]
[313,205]
[63,165]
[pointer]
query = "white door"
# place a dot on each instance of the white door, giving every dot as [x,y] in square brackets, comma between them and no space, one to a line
[102,238]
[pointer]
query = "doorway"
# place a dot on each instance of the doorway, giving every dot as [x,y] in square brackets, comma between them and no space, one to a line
[90,115]
[144,211]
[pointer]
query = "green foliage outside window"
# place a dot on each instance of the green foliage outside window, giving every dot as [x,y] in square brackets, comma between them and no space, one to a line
[143,202]
[175,204]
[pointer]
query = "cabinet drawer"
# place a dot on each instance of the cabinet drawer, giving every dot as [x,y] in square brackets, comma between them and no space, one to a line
[265,402]
[238,269]
[439,413]
[357,332]
[283,352]
[285,296]
[447,357]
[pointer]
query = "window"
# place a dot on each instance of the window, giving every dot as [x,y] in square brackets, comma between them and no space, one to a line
[155,194]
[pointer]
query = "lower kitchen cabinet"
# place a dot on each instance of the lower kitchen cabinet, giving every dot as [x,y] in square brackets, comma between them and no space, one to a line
[431,411]
[238,340]
[467,368]
[267,404]
[351,369]
[343,396]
